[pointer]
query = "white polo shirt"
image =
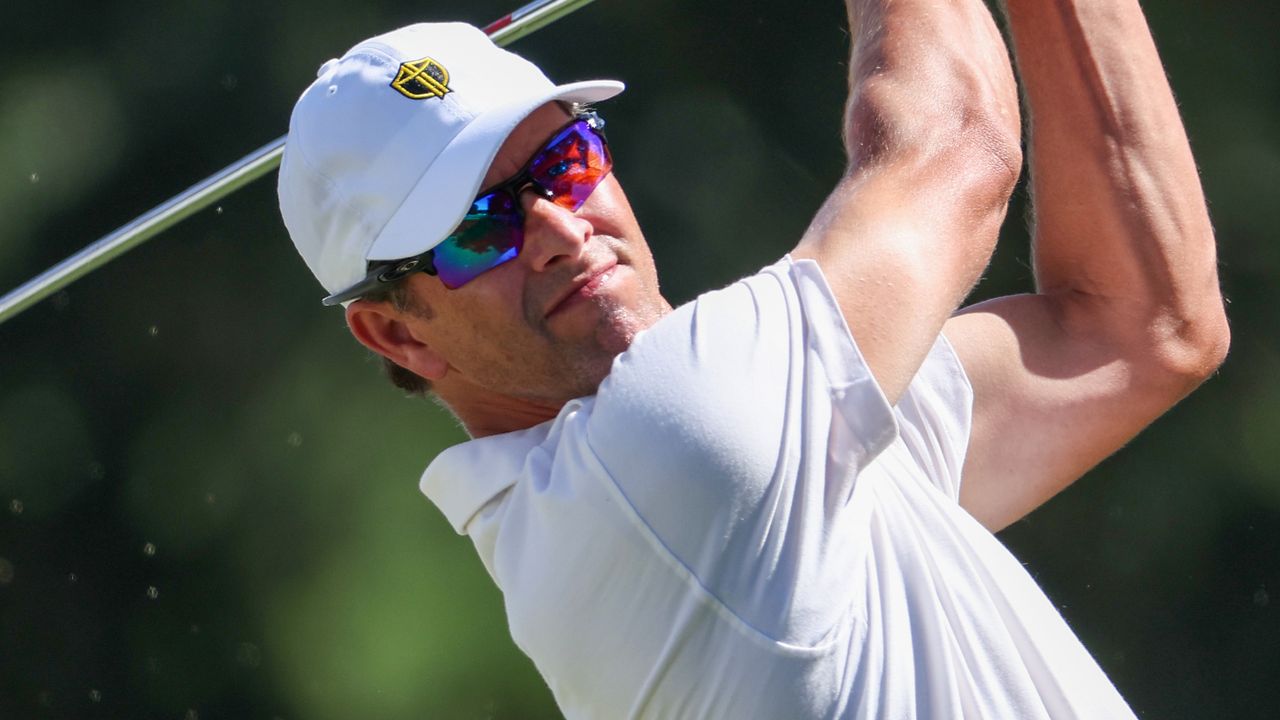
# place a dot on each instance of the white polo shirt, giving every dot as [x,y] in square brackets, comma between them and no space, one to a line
[738,525]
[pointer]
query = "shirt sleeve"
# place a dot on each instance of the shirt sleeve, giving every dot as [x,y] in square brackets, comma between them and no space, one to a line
[935,416]
[736,429]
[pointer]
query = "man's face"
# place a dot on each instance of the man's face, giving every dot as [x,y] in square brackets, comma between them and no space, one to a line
[546,326]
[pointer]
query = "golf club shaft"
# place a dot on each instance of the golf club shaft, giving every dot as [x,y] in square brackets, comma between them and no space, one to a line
[526,20]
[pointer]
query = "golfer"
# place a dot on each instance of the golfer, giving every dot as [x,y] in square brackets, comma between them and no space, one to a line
[776,501]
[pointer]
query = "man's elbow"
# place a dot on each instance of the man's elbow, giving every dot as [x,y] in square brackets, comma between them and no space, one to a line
[956,125]
[1189,350]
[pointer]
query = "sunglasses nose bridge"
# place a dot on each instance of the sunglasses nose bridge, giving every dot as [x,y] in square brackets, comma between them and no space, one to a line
[532,191]
[535,187]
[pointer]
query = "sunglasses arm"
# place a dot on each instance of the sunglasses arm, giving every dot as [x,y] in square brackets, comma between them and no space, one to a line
[385,274]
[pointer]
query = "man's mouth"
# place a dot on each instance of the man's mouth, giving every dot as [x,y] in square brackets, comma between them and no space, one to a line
[584,286]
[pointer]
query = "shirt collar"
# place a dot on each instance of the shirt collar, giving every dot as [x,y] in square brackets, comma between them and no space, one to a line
[465,477]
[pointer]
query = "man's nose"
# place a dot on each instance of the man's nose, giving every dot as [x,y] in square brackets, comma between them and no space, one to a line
[551,233]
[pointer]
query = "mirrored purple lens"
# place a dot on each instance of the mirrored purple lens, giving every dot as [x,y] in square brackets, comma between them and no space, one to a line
[572,165]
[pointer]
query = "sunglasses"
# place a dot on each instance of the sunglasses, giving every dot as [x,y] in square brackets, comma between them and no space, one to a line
[565,171]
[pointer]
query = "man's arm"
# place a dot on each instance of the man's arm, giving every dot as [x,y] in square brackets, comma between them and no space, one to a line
[1127,317]
[932,134]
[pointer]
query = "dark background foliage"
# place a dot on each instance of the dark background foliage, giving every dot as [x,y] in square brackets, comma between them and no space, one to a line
[209,503]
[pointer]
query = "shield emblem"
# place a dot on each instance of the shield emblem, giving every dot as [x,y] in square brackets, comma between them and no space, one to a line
[422,79]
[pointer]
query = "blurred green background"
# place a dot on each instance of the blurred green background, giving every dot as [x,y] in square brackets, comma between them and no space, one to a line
[208,494]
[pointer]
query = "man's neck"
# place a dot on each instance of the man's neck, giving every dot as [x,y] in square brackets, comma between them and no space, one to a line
[483,413]
[498,420]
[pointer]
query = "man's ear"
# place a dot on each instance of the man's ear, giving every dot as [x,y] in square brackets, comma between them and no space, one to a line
[387,331]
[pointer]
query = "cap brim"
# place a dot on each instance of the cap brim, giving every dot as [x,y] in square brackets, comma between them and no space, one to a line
[444,193]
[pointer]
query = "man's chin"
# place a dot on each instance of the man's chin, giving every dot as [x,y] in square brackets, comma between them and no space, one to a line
[615,329]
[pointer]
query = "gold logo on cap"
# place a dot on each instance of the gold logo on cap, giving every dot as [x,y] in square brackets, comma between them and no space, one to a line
[422,79]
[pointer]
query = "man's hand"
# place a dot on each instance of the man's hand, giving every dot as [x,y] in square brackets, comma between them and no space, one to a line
[932,134]
[1127,317]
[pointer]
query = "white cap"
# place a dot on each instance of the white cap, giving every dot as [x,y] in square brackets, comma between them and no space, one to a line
[388,147]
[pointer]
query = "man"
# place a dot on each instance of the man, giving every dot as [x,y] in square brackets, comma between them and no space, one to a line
[777,500]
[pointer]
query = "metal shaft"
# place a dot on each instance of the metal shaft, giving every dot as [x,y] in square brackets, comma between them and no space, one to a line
[527,19]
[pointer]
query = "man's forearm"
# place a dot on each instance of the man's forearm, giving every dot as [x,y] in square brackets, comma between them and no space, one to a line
[1122,233]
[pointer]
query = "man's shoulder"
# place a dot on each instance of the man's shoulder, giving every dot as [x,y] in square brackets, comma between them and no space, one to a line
[708,380]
